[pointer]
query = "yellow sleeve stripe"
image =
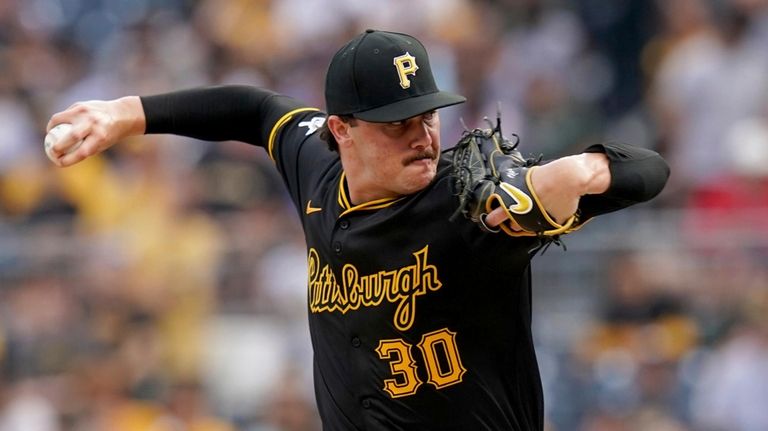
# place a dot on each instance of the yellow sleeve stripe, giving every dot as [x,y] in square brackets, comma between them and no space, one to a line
[280,123]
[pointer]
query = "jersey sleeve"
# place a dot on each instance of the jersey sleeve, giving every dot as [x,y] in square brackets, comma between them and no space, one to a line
[280,124]
[637,175]
[222,113]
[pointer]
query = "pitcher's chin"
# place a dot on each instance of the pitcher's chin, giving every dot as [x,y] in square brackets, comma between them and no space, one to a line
[420,175]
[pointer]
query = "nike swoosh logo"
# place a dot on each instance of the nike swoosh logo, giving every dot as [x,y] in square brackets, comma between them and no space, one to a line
[524,203]
[311,209]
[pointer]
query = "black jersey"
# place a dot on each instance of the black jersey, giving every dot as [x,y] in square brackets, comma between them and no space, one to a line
[417,322]
[409,332]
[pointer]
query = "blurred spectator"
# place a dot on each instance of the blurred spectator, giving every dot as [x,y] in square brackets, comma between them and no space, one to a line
[732,391]
[636,348]
[713,74]
[738,195]
[291,407]
[619,31]
[545,70]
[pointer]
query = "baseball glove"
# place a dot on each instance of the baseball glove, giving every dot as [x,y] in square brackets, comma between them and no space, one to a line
[489,172]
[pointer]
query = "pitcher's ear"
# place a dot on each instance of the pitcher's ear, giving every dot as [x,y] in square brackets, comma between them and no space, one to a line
[340,126]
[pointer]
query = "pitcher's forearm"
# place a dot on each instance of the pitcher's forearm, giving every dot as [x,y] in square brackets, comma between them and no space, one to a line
[561,183]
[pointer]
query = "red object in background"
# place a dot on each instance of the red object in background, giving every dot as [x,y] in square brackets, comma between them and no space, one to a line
[731,204]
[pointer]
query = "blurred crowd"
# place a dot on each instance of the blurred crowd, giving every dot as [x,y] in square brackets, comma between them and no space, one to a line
[161,286]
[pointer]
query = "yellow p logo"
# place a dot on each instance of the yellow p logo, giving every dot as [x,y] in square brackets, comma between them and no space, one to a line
[406,65]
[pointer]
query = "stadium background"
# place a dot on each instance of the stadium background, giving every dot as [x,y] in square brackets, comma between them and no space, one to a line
[162,285]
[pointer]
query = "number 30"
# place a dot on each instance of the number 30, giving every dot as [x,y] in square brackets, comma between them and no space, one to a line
[440,374]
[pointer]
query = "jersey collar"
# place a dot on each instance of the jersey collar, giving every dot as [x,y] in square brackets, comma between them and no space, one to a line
[347,207]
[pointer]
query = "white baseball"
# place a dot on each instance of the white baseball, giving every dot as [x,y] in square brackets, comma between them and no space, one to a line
[60,131]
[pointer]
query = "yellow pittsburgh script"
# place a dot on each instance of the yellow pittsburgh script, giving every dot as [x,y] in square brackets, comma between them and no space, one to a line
[398,286]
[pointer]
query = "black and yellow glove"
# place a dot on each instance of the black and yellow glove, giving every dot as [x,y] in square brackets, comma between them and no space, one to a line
[488,173]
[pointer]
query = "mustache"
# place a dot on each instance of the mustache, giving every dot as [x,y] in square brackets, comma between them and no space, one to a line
[426,154]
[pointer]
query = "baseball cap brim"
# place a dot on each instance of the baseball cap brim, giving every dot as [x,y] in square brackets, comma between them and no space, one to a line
[410,107]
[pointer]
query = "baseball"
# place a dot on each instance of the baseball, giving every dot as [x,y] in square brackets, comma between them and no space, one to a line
[58,132]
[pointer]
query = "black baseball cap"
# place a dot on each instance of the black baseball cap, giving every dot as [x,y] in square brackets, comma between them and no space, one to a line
[380,76]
